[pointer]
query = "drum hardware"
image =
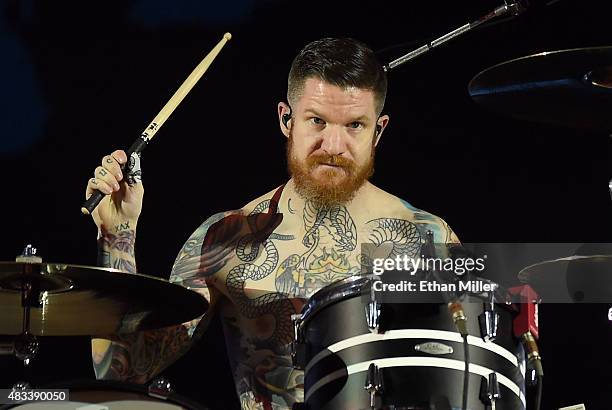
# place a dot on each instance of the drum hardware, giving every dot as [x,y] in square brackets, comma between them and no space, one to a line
[160,388]
[297,344]
[489,320]
[29,255]
[374,385]
[372,312]
[434,348]
[510,8]
[25,345]
[489,390]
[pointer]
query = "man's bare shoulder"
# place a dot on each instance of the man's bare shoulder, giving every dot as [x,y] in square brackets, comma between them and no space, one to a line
[259,204]
[391,206]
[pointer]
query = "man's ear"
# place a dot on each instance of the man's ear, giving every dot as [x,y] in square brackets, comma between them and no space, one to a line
[381,124]
[284,118]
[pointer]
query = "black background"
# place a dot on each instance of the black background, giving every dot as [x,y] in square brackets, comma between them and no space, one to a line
[101,71]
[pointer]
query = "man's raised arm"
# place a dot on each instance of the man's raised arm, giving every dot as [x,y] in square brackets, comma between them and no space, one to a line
[138,357]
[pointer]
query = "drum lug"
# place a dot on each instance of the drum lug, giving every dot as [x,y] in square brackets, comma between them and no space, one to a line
[297,345]
[489,321]
[374,385]
[160,388]
[372,313]
[489,390]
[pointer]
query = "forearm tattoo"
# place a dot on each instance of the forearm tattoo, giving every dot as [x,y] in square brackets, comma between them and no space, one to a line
[116,250]
[138,357]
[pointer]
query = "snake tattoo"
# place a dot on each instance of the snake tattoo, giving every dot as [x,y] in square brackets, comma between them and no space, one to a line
[275,303]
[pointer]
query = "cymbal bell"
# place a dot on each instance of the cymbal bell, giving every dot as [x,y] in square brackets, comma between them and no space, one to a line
[565,87]
[72,300]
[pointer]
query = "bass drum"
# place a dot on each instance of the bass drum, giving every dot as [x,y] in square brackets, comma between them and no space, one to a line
[110,395]
[414,360]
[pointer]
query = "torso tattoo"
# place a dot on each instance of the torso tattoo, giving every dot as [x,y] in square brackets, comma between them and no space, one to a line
[263,273]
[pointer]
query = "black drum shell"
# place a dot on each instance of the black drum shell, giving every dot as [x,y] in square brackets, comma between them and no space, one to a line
[339,315]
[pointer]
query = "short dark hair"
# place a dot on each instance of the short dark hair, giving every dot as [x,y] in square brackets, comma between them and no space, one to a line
[343,62]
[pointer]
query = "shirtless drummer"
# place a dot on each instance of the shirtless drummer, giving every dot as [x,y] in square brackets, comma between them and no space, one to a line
[257,265]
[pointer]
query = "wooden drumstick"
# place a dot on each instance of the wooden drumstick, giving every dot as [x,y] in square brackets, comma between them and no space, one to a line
[147,135]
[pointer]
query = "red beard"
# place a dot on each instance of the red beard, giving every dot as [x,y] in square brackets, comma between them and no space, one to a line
[333,185]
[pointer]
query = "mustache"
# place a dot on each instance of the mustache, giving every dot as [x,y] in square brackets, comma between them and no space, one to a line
[329,159]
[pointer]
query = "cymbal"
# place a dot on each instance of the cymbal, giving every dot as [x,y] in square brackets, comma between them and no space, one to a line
[565,87]
[586,279]
[83,300]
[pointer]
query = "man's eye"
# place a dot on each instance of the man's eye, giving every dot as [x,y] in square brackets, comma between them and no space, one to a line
[317,121]
[355,125]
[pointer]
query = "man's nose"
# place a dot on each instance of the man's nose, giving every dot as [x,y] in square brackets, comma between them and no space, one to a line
[334,142]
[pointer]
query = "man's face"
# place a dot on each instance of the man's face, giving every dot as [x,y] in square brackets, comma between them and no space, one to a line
[331,141]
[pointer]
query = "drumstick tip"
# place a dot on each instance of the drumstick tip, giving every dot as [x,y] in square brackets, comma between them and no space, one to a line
[227,36]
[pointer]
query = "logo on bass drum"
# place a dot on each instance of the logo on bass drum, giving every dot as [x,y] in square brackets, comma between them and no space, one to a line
[433,348]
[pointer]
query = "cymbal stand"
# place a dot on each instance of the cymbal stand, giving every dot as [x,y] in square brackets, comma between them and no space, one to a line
[26,345]
[511,8]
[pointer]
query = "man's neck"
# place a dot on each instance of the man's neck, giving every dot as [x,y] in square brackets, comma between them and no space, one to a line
[295,203]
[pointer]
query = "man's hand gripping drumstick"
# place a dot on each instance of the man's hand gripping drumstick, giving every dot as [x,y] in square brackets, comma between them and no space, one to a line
[125,200]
